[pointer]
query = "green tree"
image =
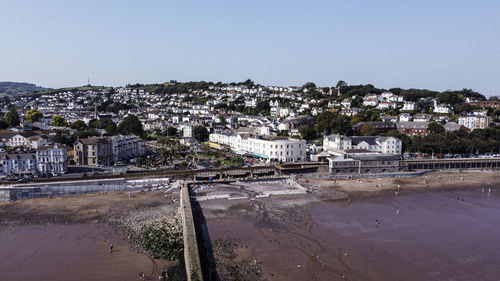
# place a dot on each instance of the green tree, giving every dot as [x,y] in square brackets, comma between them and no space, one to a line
[130,125]
[59,121]
[356,118]
[369,130]
[33,115]
[341,84]
[171,131]
[111,128]
[12,118]
[330,122]
[308,132]
[3,124]
[78,125]
[101,123]
[435,128]
[283,133]
[200,133]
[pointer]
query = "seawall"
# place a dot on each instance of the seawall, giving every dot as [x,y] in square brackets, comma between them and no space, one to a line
[191,252]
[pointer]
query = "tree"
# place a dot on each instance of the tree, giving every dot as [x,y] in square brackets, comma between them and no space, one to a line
[369,130]
[309,85]
[329,122]
[308,132]
[341,84]
[200,133]
[283,133]
[3,124]
[33,115]
[111,129]
[356,118]
[171,131]
[59,121]
[131,125]
[12,118]
[435,128]
[78,125]
[101,123]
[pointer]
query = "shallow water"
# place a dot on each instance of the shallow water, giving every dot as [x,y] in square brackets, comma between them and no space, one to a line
[68,253]
[439,235]
[445,235]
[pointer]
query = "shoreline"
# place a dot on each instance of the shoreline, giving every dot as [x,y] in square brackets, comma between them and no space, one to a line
[284,226]
[95,220]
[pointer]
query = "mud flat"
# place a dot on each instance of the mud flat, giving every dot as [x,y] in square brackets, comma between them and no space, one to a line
[68,238]
[439,227]
[68,252]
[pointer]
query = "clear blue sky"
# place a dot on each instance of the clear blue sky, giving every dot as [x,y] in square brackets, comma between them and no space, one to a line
[424,44]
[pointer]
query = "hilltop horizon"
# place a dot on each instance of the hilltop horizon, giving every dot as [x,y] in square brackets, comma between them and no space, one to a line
[333,86]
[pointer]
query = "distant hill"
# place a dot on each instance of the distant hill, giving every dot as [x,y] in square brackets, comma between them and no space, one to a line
[17,88]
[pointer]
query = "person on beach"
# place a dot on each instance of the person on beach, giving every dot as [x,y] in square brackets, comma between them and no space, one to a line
[110,248]
[376,223]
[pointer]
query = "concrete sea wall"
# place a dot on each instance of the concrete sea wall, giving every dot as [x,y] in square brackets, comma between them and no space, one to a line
[191,252]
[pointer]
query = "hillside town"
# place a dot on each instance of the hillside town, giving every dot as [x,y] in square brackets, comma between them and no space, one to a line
[202,124]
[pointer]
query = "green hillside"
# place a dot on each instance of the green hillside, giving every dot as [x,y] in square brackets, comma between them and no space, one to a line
[17,88]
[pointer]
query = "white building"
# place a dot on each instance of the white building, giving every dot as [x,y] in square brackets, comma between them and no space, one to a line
[20,139]
[404,117]
[127,147]
[346,103]
[350,111]
[187,130]
[338,142]
[421,118]
[442,108]
[267,147]
[52,159]
[18,163]
[35,142]
[474,122]
[409,106]
[370,100]
[251,102]
[387,105]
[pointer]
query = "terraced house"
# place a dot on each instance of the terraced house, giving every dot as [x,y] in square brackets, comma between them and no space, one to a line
[265,147]
[93,151]
[338,142]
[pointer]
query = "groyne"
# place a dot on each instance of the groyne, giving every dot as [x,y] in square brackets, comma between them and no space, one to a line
[191,252]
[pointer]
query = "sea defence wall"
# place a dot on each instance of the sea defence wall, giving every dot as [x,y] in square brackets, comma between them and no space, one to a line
[49,189]
[191,252]
[62,188]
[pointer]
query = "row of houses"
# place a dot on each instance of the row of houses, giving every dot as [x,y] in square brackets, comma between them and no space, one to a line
[269,148]
[46,159]
[103,151]
[380,144]
[359,154]
[27,139]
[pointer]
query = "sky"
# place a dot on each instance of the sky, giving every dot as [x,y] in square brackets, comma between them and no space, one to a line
[436,45]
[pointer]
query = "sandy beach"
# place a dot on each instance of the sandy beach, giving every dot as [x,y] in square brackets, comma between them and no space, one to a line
[68,238]
[442,231]
[439,232]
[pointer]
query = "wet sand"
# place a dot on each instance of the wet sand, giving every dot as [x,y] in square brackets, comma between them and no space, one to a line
[68,252]
[438,235]
[68,238]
